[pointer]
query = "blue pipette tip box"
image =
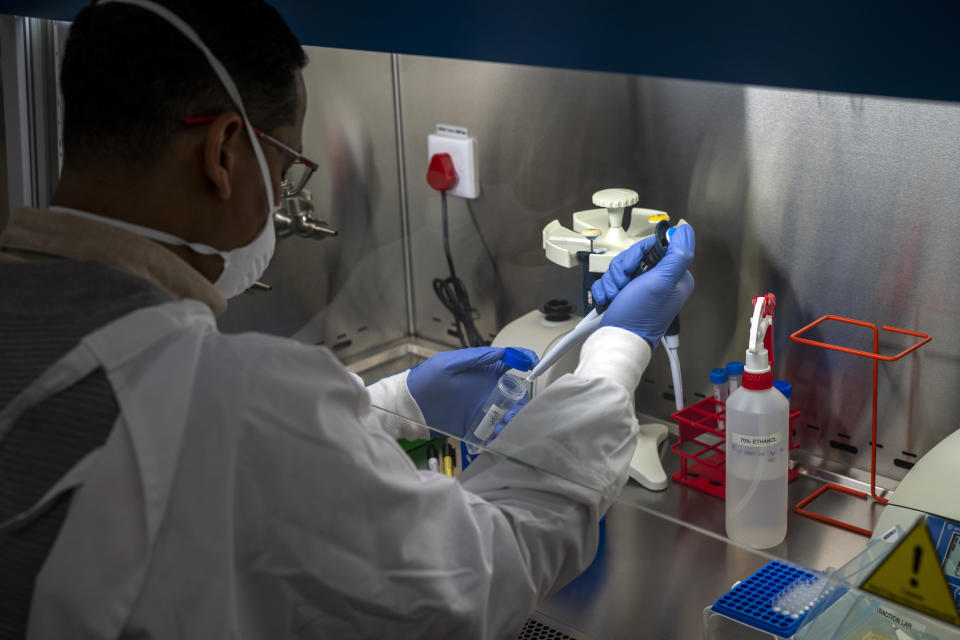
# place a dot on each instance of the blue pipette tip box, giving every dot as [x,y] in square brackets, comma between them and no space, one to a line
[750,601]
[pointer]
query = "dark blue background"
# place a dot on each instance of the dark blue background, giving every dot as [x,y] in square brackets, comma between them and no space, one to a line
[909,49]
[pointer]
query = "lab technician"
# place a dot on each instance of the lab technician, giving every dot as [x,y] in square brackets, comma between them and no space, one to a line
[161,480]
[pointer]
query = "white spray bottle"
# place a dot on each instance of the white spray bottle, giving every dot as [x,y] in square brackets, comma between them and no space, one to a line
[757,446]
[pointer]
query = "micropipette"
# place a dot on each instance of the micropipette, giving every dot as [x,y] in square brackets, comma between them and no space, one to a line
[592,320]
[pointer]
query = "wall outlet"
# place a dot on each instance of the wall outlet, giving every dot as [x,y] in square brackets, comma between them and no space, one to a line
[463,151]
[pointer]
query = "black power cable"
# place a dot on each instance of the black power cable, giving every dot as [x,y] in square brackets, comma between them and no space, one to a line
[453,294]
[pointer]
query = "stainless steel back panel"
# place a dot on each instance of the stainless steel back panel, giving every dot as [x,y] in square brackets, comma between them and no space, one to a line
[546,139]
[346,292]
[839,204]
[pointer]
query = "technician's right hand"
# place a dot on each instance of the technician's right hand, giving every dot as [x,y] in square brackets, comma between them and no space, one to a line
[647,304]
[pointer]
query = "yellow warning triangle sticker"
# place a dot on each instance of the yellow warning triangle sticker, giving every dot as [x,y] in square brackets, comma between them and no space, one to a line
[911,575]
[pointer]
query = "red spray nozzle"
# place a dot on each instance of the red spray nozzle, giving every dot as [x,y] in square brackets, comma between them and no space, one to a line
[769,303]
[758,368]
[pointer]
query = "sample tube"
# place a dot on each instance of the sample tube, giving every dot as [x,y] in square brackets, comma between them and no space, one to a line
[719,379]
[509,390]
[511,387]
[734,374]
[784,387]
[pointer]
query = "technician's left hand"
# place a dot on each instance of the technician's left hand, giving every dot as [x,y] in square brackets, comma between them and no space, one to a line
[451,386]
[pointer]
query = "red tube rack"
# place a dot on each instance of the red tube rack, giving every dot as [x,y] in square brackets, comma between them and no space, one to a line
[876,356]
[701,447]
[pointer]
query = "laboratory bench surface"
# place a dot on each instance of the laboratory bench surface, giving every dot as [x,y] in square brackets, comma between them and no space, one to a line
[656,570]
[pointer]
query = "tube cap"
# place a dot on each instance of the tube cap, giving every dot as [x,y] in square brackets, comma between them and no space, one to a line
[517,359]
[718,376]
[735,368]
[784,387]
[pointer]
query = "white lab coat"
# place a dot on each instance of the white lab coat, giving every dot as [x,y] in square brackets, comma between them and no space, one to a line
[249,490]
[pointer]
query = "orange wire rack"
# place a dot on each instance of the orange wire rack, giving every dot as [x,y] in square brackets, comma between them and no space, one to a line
[876,357]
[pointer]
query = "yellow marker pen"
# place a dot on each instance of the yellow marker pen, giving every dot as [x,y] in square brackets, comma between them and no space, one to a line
[448,461]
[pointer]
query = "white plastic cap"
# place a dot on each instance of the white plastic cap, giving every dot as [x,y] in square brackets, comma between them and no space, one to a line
[756,361]
[616,198]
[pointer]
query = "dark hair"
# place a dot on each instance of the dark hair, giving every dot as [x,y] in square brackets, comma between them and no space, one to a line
[129,77]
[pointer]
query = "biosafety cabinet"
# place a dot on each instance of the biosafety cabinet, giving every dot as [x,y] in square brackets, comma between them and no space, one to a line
[814,148]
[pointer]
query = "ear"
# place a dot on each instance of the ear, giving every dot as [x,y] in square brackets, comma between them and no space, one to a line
[220,152]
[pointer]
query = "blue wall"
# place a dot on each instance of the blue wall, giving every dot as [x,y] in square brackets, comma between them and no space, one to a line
[882,47]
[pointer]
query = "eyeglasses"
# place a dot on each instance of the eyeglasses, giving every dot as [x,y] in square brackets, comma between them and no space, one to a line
[293,179]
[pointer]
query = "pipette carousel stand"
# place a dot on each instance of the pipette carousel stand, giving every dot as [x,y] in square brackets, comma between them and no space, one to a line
[596,238]
[598,235]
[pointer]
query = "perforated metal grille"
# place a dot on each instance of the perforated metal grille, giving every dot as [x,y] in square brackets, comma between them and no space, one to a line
[535,630]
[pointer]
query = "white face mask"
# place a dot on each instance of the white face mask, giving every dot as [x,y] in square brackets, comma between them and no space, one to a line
[243,265]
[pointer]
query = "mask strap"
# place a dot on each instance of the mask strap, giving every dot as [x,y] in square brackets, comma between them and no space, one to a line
[221,72]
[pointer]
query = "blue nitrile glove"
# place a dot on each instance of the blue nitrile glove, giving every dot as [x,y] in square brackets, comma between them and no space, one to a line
[647,304]
[451,386]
